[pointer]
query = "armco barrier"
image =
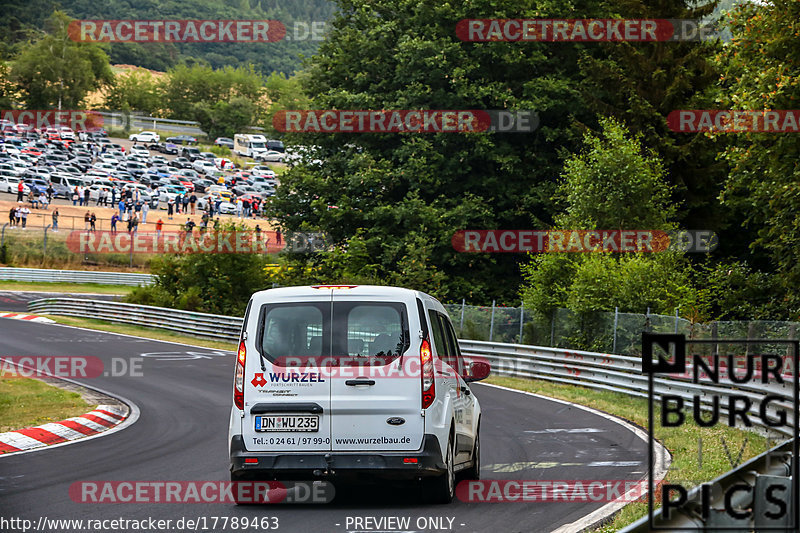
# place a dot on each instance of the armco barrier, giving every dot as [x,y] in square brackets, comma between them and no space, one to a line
[610,372]
[74,276]
[199,324]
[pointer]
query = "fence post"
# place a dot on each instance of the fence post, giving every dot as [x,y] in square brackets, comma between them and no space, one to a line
[491,324]
[463,303]
[521,318]
[616,321]
[3,234]
[676,319]
[553,328]
[44,249]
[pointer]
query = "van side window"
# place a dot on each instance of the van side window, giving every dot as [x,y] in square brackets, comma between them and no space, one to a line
[439,342]
[453,340]
[453,359]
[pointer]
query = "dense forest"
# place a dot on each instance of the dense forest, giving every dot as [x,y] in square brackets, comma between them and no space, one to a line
[23,19]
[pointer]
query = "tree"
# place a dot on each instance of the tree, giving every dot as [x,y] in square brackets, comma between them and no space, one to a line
[641,83]
[58,72]
[405,188]
[225,119]
[613,184]
[186,86]
[136,91]
[758,73]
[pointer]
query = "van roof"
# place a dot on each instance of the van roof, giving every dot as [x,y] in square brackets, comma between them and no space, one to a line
[358,291]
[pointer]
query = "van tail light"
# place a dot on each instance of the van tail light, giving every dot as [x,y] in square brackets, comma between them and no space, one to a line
[426,364]
[238,382]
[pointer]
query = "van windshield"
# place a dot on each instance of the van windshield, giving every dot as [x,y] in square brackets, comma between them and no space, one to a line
[258,145]
[340,331]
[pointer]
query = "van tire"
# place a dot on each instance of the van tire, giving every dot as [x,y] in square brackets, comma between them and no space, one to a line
[441,489]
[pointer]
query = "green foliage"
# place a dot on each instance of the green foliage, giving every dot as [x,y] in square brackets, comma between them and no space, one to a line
[613,184]
[58,72]
[641,83]
[137,91]
[225,119]
[210,283]
[765,167]
[406,188]
[186,86]
[24,17]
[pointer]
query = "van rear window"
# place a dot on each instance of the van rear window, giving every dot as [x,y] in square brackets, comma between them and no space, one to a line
[338,330]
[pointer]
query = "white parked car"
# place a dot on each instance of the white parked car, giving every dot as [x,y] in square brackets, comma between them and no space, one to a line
[145,137]
[224,163]
[105,167]
[261,170]
[9,183]
[108,158]
[204,166]
[225,207]
[345,380]
[272,156]
[139,151]
[66,133]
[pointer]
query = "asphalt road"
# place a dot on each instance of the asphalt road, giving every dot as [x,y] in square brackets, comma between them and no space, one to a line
[184,398]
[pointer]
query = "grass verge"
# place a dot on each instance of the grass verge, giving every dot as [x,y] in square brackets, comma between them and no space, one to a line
[64,287]
[140,331]
[683,442]
[28,402]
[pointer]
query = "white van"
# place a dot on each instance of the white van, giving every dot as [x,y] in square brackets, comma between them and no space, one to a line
[355,383]
[249,145]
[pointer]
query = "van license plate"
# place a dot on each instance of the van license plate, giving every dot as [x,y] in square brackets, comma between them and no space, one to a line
[287,423]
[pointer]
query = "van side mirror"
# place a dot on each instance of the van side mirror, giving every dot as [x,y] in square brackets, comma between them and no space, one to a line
[477,371]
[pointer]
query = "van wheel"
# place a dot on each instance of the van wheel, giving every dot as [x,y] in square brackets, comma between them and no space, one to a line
[474,472]
[441,489]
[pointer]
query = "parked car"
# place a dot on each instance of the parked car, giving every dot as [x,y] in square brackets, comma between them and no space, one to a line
[334,425]
[272,156]
[191,153]
[225,207]
[10,183]
[180,162]
[145,137]
[139,150]
[224,141]
[182,139]
[203,166]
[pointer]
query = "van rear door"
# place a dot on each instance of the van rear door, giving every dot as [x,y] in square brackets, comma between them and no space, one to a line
[376,389]
[286,404]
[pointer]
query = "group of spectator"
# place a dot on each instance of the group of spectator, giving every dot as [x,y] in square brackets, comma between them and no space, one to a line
[18,216]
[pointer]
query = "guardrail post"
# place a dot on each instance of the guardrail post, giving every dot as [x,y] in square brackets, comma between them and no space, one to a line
[616,321]
[676,319]
[521,318]
[3,234]
[491,324]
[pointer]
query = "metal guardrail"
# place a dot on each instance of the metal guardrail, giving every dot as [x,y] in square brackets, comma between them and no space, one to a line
[199,324]
[610,372]
[75,276]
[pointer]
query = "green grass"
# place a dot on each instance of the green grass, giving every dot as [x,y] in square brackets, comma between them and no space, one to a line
[26,402]
[141,331]
[64,287]
[682,442]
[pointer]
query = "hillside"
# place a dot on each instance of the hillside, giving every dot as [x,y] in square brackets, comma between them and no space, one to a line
[22,17]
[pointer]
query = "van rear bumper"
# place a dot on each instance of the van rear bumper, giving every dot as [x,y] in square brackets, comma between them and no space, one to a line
[327,465]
